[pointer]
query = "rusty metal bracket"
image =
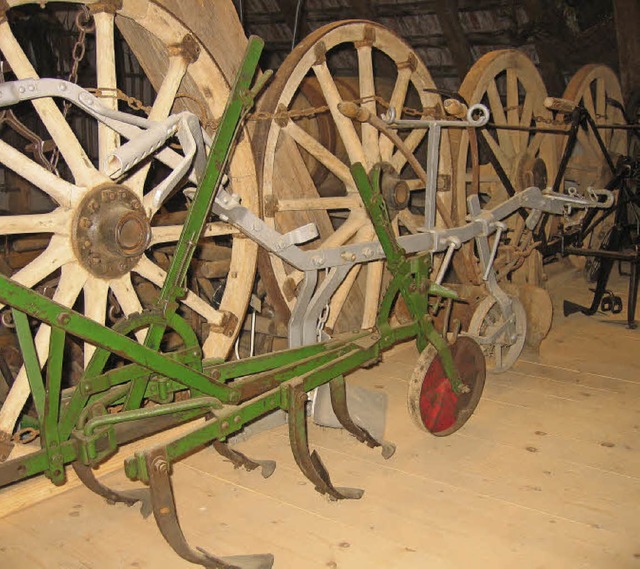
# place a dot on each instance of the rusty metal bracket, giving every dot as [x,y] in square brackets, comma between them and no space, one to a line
[240,460]
[309,462]
[166,516]
[339,403]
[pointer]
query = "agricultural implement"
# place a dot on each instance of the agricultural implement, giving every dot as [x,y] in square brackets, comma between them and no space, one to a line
[137,382]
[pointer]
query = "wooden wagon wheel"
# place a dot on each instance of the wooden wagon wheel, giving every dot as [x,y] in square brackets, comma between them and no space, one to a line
[388,70]
[509,84]
[184,75]
[596,87]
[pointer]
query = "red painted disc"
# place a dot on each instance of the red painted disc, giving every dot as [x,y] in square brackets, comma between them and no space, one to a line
[433,404]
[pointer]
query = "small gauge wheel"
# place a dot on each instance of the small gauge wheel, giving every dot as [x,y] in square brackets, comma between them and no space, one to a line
[433,405]
[505,351]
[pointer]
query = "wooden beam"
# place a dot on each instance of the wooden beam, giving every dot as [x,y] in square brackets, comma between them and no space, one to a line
[627,19]
[288,9]
[363,9]
[548,27]
[457,42]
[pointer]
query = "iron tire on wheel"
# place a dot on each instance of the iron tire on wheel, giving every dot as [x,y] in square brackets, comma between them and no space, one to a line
[487,314]
[429,386]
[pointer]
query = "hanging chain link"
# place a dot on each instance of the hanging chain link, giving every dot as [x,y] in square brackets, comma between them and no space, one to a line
[310,112]
[84,23]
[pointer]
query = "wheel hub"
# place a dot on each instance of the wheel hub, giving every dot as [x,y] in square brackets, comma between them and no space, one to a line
[110,231]
[531,171]
[395,190]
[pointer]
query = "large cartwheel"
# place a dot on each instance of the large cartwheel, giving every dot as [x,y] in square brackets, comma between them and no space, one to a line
[99,270]
[596,88]
[509,84]
[323,190]
[511,156]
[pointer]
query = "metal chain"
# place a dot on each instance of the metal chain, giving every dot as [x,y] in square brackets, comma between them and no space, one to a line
[310,112]
[116,93]
[84,24]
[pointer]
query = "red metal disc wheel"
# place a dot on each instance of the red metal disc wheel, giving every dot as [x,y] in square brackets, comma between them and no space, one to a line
[433,405]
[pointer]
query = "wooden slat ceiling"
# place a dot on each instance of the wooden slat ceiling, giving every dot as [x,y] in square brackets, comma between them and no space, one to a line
[450,34]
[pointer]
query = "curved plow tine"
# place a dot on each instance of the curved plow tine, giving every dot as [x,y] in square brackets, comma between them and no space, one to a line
[310,463]
[164,511]
[130,497]
[338,392]
[241,460]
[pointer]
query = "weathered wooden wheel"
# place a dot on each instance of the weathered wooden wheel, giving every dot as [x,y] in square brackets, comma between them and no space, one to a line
[596,87]
[508,83]
[388,70]
[184,74]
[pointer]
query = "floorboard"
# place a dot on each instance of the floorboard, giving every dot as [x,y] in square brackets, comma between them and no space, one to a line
[545,474]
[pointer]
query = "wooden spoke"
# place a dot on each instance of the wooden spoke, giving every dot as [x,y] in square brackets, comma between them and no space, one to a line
[500,118]
[313,147]
[72,279]
[53,257]
[323,148]
[412,142]
[326,204]
[171,233]
[505,161]
[156,275]
[95,307]
[62,192]
[535,146]
[64,138]
[589,104]
[373,289]
[346,231]
[126,295]
[161,108]
[108,140]
[55,222]
[513,101]
[127,298]
[370,141]
[398,97]
[411,221]
[525,120]
[339,298]
[344,125]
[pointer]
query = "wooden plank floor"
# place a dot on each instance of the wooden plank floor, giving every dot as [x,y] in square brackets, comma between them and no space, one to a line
[545,474]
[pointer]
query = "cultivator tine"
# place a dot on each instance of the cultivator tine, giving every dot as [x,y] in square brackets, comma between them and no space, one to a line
[130,497]
[338,392]
[164,511]
[240,460]
[310,463]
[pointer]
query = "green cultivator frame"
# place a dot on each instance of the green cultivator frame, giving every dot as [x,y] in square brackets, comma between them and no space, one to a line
[154,390]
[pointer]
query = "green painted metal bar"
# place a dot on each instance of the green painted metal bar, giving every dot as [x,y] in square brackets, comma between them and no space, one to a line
[224,371]
[57,315]
[198,403]
[256,385]
[230,420]
[30,360]
[49,430]
[414,294]
[239,102]
[35,463]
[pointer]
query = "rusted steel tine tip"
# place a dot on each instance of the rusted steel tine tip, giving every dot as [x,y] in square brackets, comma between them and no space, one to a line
[241,460]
